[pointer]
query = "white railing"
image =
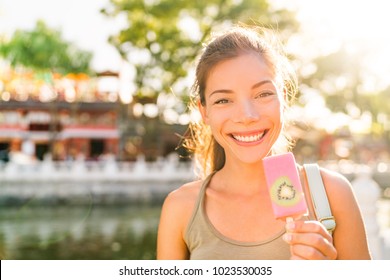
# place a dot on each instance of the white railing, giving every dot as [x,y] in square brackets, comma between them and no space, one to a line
[166,169]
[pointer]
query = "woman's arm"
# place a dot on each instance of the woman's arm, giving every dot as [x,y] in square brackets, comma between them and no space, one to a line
[175,214]
[349,237]
[310,239]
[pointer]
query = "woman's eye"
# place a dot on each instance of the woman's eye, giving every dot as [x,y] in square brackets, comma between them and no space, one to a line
[221,101]
[264,94]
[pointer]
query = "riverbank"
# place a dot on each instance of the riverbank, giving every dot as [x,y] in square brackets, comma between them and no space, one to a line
[82,182]
[110,182]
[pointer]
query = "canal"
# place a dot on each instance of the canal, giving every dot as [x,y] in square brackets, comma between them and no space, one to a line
[99,232]
[78,232]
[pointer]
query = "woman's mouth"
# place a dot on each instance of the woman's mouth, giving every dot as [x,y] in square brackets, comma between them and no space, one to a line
[249,138]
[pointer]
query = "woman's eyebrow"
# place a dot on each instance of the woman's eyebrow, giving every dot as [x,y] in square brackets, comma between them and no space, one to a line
[259,84]
[221,91]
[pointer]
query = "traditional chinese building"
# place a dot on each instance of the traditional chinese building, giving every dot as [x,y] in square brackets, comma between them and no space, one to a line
[76,115]
[64,116]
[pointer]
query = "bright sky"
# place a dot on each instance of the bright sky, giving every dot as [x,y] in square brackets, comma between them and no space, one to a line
[79,21]
[325,25]
[357,23]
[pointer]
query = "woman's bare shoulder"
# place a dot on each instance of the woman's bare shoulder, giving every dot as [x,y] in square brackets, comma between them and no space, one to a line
[175,214]
[186,193]
[182,200]
[335,183]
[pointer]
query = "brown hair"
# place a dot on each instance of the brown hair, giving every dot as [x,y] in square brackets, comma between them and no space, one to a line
[209,155]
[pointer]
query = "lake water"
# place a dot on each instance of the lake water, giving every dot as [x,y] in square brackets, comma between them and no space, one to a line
[78,232]
[95,232]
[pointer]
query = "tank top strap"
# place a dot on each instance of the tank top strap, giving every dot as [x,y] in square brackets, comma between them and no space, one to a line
[202,191]
[199,200]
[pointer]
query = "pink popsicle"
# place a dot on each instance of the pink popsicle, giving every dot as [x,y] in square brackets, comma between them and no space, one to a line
[284,186]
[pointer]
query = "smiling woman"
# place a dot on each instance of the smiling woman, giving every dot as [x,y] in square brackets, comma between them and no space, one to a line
[242,88]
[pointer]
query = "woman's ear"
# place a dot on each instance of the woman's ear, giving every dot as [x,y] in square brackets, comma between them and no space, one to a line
[203,112]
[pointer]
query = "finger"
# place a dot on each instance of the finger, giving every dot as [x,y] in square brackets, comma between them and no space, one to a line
[295,257]
[304,252]
[308,227]
[310,245]
[311,253]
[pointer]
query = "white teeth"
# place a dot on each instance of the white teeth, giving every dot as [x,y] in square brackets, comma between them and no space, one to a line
[251,138]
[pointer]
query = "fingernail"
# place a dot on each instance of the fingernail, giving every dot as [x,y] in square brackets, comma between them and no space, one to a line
[287,237]
[290,226]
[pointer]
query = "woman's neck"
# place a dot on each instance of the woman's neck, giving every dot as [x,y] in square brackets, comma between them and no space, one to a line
[242,178]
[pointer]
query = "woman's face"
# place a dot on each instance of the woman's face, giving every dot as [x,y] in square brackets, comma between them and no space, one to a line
[243,107]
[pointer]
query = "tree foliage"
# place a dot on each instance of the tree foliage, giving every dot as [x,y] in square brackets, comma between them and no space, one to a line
[340,77]
[163,37]
[44,49]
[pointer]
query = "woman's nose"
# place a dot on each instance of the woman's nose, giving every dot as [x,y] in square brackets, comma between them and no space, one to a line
[246,112]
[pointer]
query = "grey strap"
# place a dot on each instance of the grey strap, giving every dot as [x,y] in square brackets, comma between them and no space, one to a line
[319,197]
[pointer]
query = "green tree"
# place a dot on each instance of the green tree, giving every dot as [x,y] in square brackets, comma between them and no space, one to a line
[340,76]
[163,37]
[43,49]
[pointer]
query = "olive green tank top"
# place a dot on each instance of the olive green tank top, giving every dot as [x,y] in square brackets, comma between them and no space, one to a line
[205,242]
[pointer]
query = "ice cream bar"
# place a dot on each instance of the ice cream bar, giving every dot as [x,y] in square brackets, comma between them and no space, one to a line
[284,186]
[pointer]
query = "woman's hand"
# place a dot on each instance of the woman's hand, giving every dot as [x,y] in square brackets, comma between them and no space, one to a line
[309,240]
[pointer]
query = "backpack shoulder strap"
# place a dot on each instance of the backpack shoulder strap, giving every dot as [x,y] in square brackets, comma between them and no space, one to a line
[319,196]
